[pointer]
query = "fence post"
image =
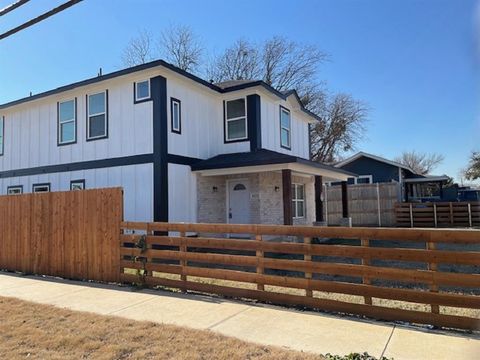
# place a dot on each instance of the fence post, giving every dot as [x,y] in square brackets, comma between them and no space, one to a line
[183,262]
[325,197]
[434,287]
[451,213]
[308,257]
[378,206]
[411,215]
[366,261]
[260,269]
[435,214]
[470,214]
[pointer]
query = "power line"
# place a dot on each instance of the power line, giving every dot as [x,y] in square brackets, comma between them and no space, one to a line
[39,18]
[12,6]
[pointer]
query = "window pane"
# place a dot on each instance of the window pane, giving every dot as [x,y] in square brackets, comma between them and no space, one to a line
[97,126]
[300,192]
[143,90]
[300,209]
[285,119]
[235,108]
[67,131]
[67,111]
[363,181]
[294,209]
[96,103]
[176,116]
[294,193]
[236,129]
[285,138]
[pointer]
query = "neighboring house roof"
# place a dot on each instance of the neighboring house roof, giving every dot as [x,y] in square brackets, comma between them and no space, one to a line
[374,157]
[224,87]
[259,157]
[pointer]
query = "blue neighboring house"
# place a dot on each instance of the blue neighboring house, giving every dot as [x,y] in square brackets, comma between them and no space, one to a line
[373,169]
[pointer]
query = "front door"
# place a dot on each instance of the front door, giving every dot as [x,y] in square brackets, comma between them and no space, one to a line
[238,203]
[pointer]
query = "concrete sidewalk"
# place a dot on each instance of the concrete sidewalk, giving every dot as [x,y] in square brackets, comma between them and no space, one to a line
[270,325]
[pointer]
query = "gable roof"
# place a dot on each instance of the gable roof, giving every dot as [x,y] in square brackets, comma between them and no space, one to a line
[225,87]
[374,157]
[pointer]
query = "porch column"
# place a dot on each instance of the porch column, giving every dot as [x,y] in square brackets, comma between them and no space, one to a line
[344,200]
[287,196]
[318,199]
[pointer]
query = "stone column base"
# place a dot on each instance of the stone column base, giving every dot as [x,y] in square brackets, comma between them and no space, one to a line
[346,222]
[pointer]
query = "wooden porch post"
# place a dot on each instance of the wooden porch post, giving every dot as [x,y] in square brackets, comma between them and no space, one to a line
[287,196]
[344,200]
[318,199]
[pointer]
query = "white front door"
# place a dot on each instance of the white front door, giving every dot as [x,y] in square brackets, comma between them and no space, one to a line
[238,202]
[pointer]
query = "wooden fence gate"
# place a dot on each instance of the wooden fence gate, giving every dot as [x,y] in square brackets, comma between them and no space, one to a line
[70,234]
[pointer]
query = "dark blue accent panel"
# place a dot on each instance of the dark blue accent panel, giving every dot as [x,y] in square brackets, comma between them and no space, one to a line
[380,171]
[254,122]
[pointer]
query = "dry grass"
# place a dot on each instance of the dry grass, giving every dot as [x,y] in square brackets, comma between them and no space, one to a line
[33,331]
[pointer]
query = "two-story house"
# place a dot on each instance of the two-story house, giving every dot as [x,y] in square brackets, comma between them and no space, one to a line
[182,148]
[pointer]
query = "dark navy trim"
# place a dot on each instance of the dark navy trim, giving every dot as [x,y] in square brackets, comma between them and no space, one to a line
[58,123]
[81,181]
[83,165]
[42,184]
[290,130]
[173,100]
[182,160]
[15,187]
[135,101]
[106,116]
[254,122]
[158,89]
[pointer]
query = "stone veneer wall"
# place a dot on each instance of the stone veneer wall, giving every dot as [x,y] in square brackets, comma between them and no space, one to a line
[266,204]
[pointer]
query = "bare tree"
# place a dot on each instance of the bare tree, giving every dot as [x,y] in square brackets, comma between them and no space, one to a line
[138,50]
[421,163]
[241,61]
[473,170]
[342,124]
[181,47]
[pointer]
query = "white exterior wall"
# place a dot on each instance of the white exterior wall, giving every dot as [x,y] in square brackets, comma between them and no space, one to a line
[270,110]
[182,194]
[136,180]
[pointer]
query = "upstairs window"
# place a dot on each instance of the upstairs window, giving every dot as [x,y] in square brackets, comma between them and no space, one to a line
[235,120]
[77,185]
[298,201]
[15,190]
[38,188]
[97,124]
[2,131]
[67,122]
[176,115]
[142,90]
[285,128]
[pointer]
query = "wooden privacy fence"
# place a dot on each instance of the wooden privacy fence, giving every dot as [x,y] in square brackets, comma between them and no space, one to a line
[441,214]
[294,273]
[70,234]
[368,204]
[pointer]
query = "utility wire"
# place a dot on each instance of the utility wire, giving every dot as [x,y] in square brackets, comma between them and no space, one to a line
[12,6]
[39,18]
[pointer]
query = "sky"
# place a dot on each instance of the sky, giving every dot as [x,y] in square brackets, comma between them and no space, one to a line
[415,63]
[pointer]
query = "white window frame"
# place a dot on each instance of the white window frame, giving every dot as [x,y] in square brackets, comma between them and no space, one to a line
[148,97]
[105,112]
[369,177]
[296,200]
[74,182]
[227,120]
[2,134]
[15,190]
[288,129]
[35,187]
[60,122]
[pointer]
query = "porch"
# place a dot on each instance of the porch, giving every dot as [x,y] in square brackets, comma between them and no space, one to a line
[264,187]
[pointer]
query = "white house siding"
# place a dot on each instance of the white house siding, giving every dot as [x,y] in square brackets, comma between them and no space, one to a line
[136,180]
[182,194]
[270,112]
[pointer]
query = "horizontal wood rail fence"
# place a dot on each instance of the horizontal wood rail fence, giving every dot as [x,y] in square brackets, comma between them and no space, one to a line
[70,234]
[160,254]
[441,214]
